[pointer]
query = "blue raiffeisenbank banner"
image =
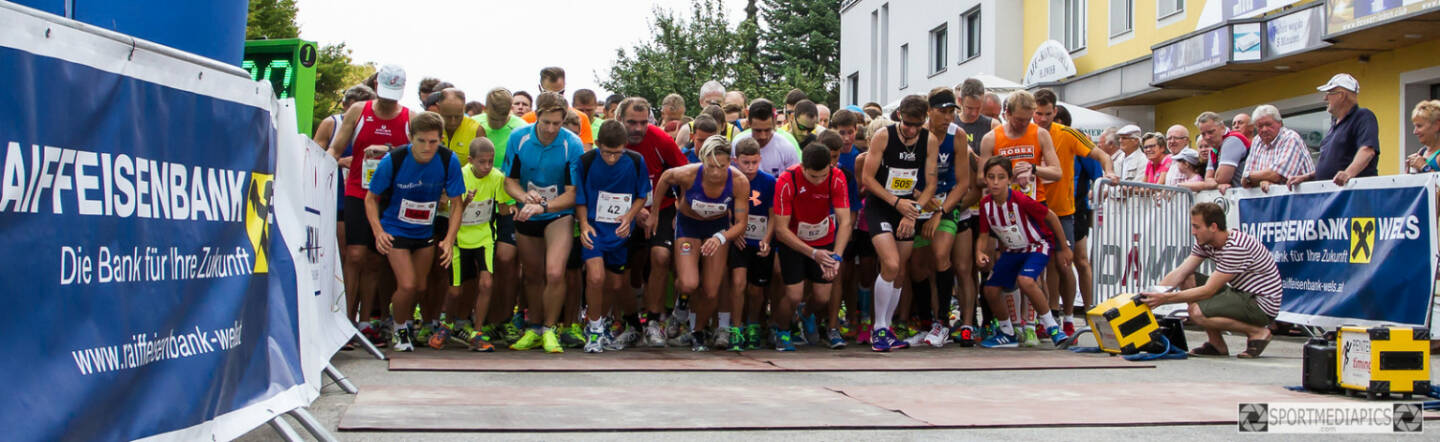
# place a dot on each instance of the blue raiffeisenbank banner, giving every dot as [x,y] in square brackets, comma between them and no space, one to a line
[1361,255]
[136,224]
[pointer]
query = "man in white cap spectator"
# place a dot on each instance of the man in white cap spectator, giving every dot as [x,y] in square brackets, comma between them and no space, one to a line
[1129,161]
[1278,152]
[1352,146]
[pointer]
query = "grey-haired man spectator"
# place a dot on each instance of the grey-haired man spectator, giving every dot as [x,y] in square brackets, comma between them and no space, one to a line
[1277,154]
[1352,146]
[1233,149]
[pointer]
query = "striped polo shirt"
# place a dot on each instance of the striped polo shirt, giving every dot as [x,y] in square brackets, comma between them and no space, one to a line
[1252,265]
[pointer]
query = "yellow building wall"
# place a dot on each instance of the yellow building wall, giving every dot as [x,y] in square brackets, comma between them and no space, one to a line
[1098,53]
[1380,91]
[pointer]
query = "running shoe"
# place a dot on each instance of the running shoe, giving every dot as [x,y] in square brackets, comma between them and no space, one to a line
[865,333]
[678,322]
[528,341]
[965,335]
[880,340]
[1000,340]
[938,333]
[1057,336]
[438,338]
[812,332]
[551,341]
[1031,339]
[752,337]
[402,340]
[654,335]
[626,339]
[722,338]
[480,343]
[1069,329]
[494,334]
[783,341]
[517,321]
[989,329]
[912,340]
[684,340]
[837,339]
[594,341]
[461,335]
[570,336]
[737,339]
[512,331]
[424,333]
[697,341]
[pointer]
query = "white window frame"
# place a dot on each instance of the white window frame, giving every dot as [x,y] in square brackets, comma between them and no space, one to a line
[1161,15]
[1121,29]
[853,81]
[1068,23]
[939,49]
[965,33]
[904,66]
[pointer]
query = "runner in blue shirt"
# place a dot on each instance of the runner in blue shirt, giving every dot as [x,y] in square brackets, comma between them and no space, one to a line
[541,168]
[410,194]
[613,185]
[750,266]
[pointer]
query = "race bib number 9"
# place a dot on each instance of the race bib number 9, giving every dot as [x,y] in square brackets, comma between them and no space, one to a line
[612,206]
[416,213]
[901,182]
[478,212]
[369,172]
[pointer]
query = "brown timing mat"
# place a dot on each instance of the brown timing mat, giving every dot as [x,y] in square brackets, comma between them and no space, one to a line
[855,359]
[391,408]
[413,408]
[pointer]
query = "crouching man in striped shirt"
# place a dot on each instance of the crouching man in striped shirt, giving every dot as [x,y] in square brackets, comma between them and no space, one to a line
[1242,295]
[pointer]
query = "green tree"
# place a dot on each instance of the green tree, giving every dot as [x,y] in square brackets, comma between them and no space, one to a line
[801,48]
[684,54]
[334,69]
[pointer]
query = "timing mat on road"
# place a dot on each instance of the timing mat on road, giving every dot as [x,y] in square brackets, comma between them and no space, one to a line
[806,360]
[760,407]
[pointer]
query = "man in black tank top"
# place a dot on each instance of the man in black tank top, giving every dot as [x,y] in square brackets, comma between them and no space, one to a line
[976,125]
[894,203]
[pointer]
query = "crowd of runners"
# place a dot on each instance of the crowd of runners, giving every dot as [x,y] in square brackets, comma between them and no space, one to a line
[536,222]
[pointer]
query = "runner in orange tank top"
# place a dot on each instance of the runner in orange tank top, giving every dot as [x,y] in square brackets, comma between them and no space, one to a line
[1030,150]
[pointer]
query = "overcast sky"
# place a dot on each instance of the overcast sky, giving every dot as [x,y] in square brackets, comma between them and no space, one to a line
[480,44]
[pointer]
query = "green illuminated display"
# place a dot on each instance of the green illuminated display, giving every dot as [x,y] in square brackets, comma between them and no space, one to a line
[289,66]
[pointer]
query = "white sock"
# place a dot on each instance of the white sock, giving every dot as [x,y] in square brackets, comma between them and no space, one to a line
[1007,328]
[1048,319]
[692,321]
[597,326]
[724,320]
[887,298]
[1069,319]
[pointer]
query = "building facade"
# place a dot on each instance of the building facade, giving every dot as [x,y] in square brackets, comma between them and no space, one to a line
[893,48]
[1163,62]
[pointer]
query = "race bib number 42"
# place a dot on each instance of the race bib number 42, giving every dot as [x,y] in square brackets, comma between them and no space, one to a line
[612,206]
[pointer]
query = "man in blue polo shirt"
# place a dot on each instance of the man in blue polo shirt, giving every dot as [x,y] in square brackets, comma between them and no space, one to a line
[541,168]
[1352,147]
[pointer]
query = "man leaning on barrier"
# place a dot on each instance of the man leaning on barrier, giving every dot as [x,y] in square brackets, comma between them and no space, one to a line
[1243,293]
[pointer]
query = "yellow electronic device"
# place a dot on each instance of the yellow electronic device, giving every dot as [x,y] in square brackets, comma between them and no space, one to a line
[1123,324]
[1383,360]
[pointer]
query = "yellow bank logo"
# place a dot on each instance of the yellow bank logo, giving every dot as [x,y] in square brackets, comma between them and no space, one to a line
[257,218]
[1362,240]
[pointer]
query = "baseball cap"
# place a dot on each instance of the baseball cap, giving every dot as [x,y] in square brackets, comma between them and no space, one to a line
[1129,130]
[391,80]
[1187,155]
[942,99]
[1341,80]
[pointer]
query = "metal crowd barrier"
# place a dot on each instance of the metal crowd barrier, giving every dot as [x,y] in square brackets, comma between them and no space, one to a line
[1141,233]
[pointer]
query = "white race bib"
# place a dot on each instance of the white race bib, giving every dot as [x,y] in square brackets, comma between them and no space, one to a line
[1011,237]
[755,229]
[708,210]
[611,206]
[927,214]
[650,198]
[901,181]
[416,213]
[370,165]
[810,232]
[478,212]
[547,193]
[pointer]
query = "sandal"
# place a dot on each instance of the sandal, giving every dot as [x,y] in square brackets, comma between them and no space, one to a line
[1207,350]
[1253,348]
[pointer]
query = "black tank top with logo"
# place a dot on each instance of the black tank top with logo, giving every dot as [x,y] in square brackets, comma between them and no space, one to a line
[900,169]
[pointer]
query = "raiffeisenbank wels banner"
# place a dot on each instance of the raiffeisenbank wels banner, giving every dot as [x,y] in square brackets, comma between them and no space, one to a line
[150,288]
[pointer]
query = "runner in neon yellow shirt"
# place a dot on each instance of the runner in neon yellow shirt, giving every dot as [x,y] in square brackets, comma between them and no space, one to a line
[473,263]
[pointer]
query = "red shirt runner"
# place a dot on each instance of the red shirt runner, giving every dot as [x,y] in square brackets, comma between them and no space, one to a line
[660,152]
[371,130]
[1019,222]
[810,205]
